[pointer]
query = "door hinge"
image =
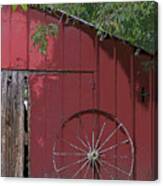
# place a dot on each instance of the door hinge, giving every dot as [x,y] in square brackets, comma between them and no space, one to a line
[143,94]
[93,84]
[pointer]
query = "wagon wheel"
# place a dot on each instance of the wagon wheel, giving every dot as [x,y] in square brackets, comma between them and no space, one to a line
[93,144]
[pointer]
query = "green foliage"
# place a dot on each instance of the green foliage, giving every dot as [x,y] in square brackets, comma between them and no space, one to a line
[23,6]
[147,65]
[40,36]
[135,22]
[14,7]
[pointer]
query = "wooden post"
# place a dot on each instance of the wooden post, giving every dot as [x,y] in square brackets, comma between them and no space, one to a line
[12,124]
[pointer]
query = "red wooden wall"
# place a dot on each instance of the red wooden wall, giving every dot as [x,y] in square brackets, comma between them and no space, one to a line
[95,74]
[18,51]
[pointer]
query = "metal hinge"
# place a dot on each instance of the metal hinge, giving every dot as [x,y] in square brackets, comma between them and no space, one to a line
[143,94]
[93,84]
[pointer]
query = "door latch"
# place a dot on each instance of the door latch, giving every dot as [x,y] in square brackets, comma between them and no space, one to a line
[143,94]
[93,84]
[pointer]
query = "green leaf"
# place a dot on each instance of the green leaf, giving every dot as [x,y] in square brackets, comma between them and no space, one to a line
[24,7]
[14,7]
[39,37]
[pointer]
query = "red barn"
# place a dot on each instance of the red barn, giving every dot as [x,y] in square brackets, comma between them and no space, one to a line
[85,109]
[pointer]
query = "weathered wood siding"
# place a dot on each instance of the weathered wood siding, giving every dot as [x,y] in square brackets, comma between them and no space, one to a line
[12,124]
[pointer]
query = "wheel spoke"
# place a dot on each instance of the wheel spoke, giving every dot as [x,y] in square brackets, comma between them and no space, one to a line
[110,136]
[87,141]
[81,168]
[69,165]
[114,157]
[74,146]
[103,167]
[87,169]
[114,146]
[114,167]
[54,164]
[97,170]
[82,142]
[100,135]
[93,139]
[78,137]
[93,170]
[68,154]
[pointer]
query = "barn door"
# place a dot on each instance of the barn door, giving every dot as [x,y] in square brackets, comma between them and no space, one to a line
[70,137]
[53,98]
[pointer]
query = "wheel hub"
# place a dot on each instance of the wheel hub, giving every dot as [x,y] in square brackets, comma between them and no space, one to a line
[93,155]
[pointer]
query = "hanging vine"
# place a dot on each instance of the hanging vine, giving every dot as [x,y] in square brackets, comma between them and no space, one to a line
[40,36]
[42,31]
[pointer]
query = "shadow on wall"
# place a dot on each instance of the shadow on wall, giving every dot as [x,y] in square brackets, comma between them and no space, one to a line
[132,68]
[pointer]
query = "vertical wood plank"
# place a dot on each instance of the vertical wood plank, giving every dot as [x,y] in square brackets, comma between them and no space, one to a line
[143,123]
[107,60]
[87,44]
[124,102]
[3,123]
[132,89]
[53,107]
[71,104]
[107,76]
[19,130]
[36,59]
[155,119]
[37,124]
[12,124]
[6,36]
[53,58]
[19,39]
[71,48]
[87,97]
[71,95]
